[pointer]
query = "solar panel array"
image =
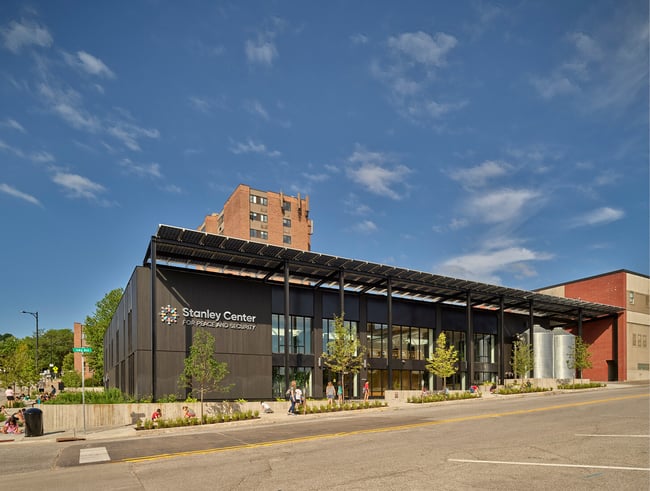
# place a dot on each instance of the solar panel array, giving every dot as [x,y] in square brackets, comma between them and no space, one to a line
[192,248]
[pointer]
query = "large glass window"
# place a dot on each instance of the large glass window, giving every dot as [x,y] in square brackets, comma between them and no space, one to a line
[300,332]
[408,379]
[378,382]
[457,339]
[484,348]
[328,331]
[410,343]
[378,339]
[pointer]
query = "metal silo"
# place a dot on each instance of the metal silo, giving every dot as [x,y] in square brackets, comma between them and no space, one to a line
[563,343]
[543,347]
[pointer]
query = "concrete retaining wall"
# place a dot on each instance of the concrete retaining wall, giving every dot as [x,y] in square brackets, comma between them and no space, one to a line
[64,417]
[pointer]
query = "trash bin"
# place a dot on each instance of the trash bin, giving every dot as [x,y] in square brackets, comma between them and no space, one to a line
[33,422]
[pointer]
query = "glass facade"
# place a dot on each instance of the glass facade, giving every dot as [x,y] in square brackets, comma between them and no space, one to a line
[300,332]
[302,375]
[328,331]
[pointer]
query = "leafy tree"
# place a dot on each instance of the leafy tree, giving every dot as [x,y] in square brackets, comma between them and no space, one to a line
[580,358]
[344,353]
[95,328]
[18,365]
[523,358]
[70,377]
[202,373]
[54,345]
[443,360]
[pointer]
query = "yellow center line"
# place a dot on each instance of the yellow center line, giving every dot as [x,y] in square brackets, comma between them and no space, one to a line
[377,430]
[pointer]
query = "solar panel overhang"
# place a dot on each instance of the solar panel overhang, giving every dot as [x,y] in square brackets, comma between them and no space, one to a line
[200,250]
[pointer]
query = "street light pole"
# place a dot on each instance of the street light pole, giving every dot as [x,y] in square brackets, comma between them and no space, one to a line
[35,315]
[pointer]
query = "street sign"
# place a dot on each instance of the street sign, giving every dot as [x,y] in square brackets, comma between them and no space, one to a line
[83,349]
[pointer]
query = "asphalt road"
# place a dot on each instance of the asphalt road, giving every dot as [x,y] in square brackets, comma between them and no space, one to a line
[583,440]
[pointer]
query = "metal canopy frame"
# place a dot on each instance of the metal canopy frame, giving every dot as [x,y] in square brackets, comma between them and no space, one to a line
[202,251]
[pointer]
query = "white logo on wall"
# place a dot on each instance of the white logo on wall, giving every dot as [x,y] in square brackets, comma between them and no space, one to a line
[209,318]
[168,315]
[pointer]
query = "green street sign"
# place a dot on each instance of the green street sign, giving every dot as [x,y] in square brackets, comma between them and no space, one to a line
[83,349]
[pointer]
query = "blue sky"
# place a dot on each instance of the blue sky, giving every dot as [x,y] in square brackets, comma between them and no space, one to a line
[500,142]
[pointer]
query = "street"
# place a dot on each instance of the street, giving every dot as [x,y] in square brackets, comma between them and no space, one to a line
[583,440]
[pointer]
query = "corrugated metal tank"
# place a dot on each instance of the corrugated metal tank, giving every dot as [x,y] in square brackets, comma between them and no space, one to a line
[543,347]
[563,343]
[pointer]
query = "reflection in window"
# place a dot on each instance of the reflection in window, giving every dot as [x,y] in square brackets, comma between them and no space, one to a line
[410,343]
[484,348]
[378,339]
[328,331]
[457,339]
[300,331]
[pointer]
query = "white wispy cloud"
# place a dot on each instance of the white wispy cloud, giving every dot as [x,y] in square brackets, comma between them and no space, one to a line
[26,33]
[608,66]
[553,85]
[261,51]
[355,207]
[206,104]
[129,133]
[68,105]
[251,146]
[142,170]
[600,216]
[359,38]
[36,156]
[378,173]
[485,265]
[422,48]
[88,63]
[479,175]
[412,60]
[365,227]
[11,191]
[13,124]
[501,205]
[77,186]
[256,108]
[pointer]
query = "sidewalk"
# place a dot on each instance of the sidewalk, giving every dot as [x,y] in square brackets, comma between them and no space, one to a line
[277,417]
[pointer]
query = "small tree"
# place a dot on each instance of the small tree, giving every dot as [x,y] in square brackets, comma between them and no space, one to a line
[344,353]
[70,377]
[443,360]
[523,358]
[580,358]
[202,373]
[95,328]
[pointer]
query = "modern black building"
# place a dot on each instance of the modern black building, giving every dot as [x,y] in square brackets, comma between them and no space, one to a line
[271,311]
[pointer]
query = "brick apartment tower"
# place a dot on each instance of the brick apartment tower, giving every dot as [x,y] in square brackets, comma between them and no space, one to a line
[263,216]
[79,342]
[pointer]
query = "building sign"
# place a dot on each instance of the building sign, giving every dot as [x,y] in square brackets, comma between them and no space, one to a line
[209,318]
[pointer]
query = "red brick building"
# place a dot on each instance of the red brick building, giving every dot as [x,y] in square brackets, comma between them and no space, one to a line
[80,341]
[263,216]
[619,347]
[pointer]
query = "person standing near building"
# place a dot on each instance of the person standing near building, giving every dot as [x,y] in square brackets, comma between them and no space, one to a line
[9,394]
[291,393]
[366,391]
[299,400]
[330,393]
[339,393]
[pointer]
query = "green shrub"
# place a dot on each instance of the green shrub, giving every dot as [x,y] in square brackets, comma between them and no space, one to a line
[515,389]
[168,398]
[591,385]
